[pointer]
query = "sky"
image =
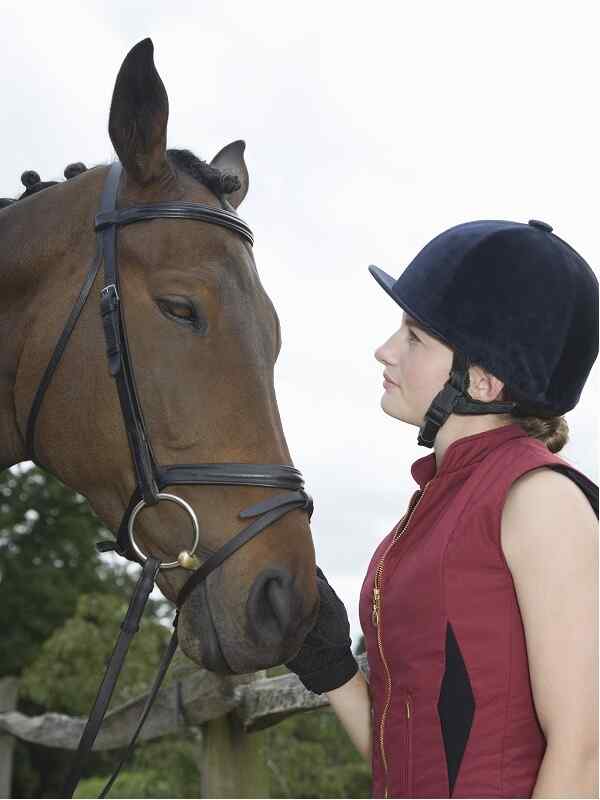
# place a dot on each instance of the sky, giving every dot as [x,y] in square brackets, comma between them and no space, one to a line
[369,129]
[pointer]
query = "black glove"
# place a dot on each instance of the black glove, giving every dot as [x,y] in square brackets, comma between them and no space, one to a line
[325,660]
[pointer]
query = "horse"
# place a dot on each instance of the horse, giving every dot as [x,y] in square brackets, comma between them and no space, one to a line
[203,336]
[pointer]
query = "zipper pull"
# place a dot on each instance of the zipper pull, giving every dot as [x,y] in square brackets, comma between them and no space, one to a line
[375,614]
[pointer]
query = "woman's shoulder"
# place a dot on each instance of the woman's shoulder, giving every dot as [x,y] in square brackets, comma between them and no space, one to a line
[543,503]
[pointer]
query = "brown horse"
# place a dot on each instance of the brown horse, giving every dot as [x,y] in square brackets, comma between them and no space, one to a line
[204,337]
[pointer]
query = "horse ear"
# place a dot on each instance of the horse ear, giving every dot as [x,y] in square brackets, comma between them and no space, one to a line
[231,160]
[138,116]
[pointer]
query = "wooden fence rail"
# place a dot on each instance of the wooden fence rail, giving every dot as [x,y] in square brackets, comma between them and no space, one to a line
[226,708]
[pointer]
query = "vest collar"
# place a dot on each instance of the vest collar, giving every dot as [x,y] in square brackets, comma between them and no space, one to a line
[465,451]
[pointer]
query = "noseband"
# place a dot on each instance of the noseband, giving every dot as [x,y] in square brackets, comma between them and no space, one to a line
[151,477]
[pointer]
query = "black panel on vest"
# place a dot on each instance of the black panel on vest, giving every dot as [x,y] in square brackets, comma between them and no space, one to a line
[587,486]
[456,707]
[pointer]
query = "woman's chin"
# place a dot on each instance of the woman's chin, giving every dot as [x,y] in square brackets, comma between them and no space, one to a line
[389,406]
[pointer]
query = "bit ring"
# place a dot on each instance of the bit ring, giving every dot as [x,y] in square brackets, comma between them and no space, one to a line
[174,499]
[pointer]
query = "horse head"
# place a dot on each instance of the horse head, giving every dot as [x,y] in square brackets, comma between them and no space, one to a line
[203,340]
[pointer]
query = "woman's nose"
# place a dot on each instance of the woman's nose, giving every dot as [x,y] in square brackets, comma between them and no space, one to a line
[382,353]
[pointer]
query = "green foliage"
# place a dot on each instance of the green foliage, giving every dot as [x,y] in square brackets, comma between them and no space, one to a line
[307,755]
[311,755]
[167,767]
[47,559]
[50,571]
[66,674]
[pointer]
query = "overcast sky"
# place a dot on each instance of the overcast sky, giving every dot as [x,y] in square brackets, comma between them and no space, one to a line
[369,129]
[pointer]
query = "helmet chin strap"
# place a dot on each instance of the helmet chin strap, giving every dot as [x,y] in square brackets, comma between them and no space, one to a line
[455,399]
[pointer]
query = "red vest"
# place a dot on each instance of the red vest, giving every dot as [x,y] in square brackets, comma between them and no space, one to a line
[453,711]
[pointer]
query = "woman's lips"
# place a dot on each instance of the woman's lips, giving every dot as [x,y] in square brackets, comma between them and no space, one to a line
[388,384]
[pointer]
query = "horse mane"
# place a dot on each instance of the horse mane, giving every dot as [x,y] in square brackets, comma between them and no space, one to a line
[218,181]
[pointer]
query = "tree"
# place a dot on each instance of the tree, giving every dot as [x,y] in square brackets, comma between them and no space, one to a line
[55,591]
[47,559]
[65,675]
[311,755]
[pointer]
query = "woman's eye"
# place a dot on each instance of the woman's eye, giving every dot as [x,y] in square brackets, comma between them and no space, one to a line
[413,337]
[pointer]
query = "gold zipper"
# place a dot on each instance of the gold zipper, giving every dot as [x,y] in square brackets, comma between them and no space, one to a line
[376,619]
[409,755]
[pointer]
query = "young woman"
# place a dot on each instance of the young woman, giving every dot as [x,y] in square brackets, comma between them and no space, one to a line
[479,608]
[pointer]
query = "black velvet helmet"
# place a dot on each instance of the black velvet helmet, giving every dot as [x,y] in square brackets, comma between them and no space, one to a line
[513,298]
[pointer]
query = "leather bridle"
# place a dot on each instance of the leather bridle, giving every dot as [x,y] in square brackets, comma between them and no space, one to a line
[151,477]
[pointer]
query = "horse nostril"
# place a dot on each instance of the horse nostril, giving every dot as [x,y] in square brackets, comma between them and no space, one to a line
[279,600]
[269,606]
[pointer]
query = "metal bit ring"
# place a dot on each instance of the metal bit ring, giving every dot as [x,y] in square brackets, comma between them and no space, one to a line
[174,499]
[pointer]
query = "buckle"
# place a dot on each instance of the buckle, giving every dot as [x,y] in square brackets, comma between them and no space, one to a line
[107,291]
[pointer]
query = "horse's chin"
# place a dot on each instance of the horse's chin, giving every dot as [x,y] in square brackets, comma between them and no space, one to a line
[210,634]
[197,636]
[211,655]
[207,653]
[200,640]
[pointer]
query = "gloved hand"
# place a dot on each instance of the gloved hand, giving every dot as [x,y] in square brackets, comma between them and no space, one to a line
[325,660]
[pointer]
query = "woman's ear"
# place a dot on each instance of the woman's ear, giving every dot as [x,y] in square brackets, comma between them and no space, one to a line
[483,385]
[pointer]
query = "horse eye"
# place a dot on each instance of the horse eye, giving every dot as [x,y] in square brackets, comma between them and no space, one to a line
[181,310]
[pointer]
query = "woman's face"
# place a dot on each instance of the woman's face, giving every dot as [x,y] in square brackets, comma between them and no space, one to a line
[419,365]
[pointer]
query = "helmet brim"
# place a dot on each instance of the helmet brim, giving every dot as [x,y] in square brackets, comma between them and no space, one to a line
[385,281]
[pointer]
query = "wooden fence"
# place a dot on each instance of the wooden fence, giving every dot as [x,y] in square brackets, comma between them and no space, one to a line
[225,709]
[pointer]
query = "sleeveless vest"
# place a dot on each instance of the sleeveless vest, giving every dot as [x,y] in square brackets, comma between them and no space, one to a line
[452,706]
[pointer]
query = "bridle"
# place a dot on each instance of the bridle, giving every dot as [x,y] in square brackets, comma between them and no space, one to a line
[152,477]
